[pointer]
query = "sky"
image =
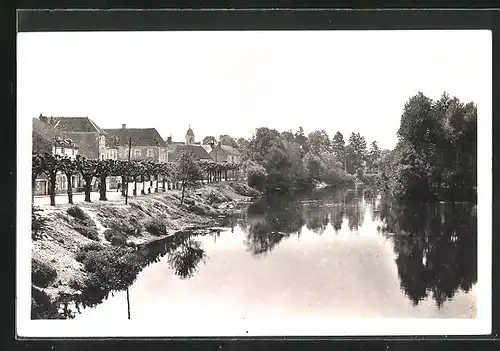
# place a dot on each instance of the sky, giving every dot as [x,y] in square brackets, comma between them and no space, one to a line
[230,82]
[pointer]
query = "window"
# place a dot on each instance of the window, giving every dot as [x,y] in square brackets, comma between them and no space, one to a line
[112,154]
[58,150]
[151,153]
[102,142]
[137,152]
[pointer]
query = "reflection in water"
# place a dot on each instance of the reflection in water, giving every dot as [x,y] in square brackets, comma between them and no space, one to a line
[434,245]
[183,252]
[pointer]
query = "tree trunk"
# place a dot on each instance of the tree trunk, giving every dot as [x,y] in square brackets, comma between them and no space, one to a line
[135,186]
[124,184]
[87,188]
[225,175]
[157,178]
[143,185]
[52,189]
[33,186]
[70,188]
[163,179]
[182,197]
[102,189]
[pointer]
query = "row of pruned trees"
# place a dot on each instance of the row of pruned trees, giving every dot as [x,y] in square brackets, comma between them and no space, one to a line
[184,173]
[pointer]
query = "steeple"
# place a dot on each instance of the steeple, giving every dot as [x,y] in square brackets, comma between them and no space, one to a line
[189,136]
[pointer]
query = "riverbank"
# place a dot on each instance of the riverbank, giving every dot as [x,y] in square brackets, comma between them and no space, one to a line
[95,244]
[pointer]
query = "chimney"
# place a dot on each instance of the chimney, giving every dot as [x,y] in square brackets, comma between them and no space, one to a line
[124,126]
[169,140]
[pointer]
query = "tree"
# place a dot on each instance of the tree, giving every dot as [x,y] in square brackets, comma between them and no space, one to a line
[36,170]
[318,142]
[301,139]
[288,136]
[104,169]
[356,152]
[187,172]
[51,165]
[208,140]
[227,140]
[87,169]
[69,168]
[338,148]
[262,141]
[374,156]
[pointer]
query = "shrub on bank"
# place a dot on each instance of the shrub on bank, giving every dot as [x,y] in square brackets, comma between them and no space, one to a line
[156,227]
[256,177]
[42,275]
[78,213]
[114,237]
[87,231]
[111,269]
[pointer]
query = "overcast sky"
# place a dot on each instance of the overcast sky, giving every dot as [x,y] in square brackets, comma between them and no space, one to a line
[233,82]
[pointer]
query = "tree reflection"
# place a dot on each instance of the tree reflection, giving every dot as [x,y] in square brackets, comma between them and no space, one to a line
[436,247]
[185,258]
[268,220]
[316,218]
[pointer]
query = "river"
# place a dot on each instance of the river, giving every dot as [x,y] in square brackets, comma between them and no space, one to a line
[328,253]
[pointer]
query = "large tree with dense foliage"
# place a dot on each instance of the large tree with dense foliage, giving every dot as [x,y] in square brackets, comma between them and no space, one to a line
[436,152]
[228,140]
[338,148]
[318,142]
[208,140]
[356,152]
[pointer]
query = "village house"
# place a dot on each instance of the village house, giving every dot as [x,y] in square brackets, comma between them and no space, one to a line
[175,149]
[83,131]
[146,144]
[225,153]
[47,139]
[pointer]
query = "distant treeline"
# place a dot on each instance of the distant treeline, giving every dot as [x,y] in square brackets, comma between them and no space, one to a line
[287,160]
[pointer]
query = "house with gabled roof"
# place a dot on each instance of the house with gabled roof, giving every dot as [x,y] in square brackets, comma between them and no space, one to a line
[90,138]
[47,139]
[225,153]
[146,144]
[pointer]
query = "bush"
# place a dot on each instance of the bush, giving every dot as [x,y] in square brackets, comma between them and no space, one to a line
[114,237]
[87,231]
[244,189]
[41,274]
[111,269]
[132,227]
[91,247]
[216,198]
[256,177]
[78,213]
[156,227]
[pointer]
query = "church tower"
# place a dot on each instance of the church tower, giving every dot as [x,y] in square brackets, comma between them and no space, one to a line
[189,136]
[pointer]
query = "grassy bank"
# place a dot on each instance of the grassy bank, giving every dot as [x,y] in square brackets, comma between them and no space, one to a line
[97,246]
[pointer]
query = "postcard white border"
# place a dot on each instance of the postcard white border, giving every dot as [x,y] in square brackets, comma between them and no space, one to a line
[481,325]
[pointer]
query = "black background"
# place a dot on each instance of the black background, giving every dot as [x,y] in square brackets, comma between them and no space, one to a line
[215,20]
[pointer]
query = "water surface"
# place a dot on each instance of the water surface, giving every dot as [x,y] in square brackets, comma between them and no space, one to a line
[325,254]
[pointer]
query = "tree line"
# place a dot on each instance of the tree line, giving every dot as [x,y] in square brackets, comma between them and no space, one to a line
[290,160]
[185,173]
[436,154]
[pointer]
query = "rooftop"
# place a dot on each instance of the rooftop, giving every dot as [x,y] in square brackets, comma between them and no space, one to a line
[140,137]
